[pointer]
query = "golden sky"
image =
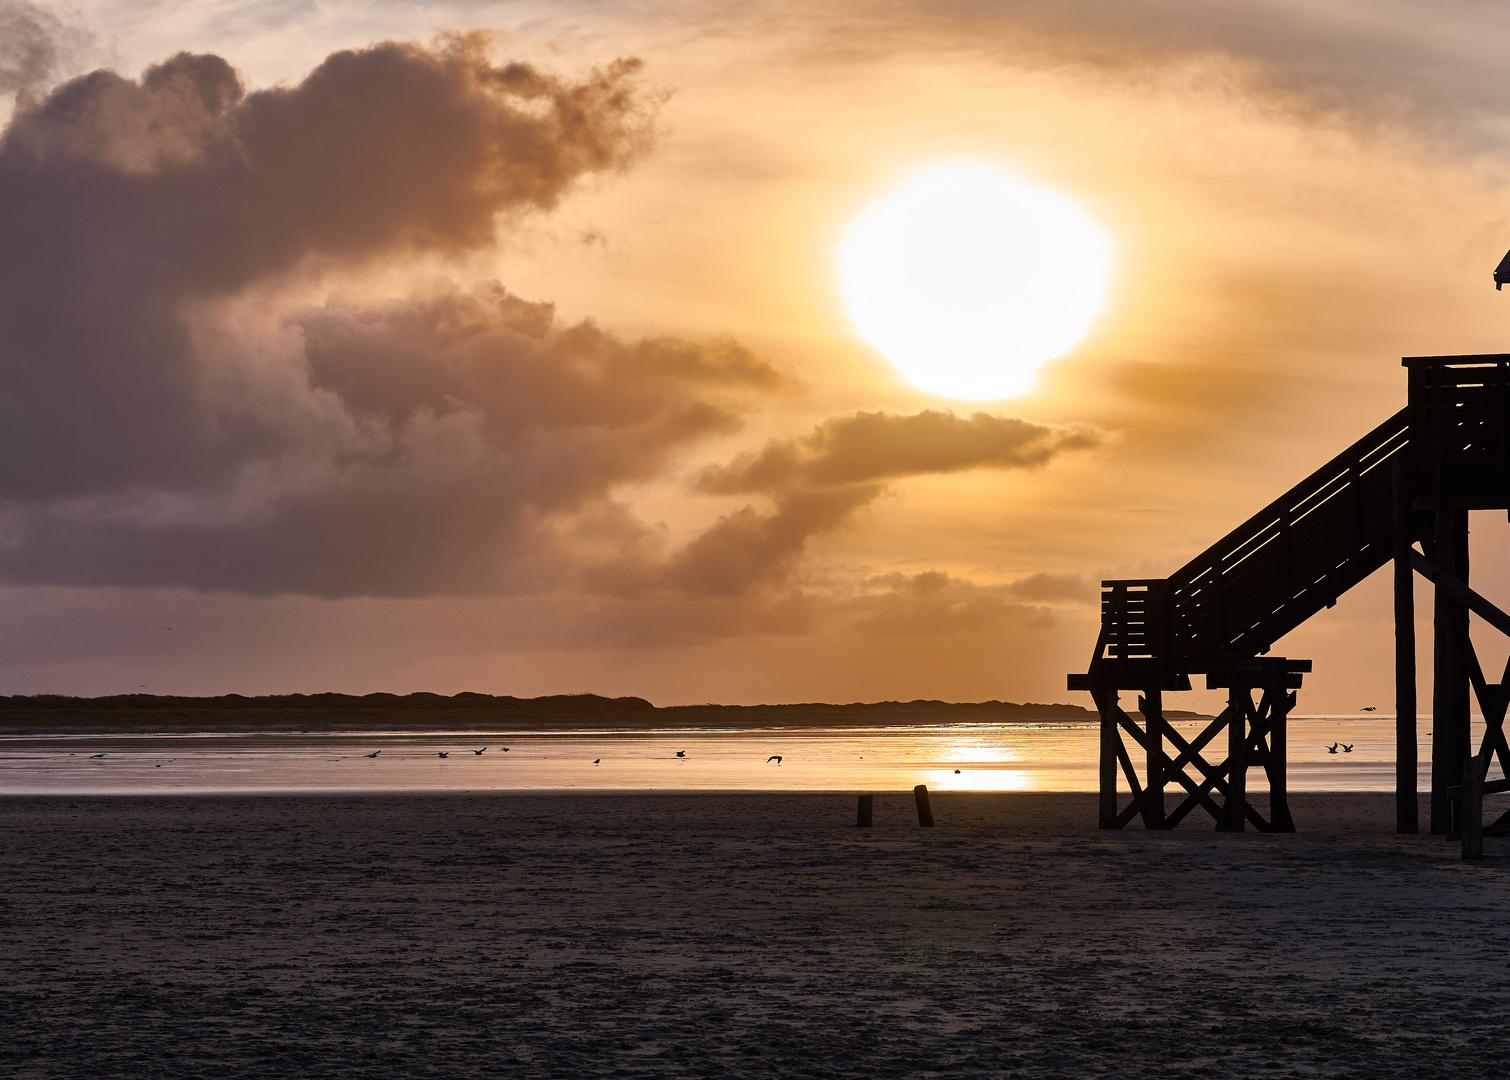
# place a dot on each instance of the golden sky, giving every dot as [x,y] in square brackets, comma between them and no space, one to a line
[499,346]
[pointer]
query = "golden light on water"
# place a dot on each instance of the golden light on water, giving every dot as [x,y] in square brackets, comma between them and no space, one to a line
[968,280]
[979,780]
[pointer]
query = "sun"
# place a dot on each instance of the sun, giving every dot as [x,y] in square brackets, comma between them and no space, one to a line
[968,280]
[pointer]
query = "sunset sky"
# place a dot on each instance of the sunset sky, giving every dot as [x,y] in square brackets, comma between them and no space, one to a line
[502,346]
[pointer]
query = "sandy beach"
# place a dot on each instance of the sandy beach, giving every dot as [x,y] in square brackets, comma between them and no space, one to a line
[735,935]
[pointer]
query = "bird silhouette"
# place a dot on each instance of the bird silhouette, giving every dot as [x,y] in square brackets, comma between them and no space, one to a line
[1347,748]
[774,757]
[505,749]
[479,752]
[375,753]
[681,753]
[1332,749]
[596,760]
[96,755]
[443,753]
[1369,708]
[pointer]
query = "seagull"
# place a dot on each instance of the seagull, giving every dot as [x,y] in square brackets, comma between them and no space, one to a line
[596,760]
[956,772]
[443,753]
[505,749]
[96,755]
[1347,748]
[1332,749]
[681,753]
[1369,708]
[774,757]
[479,752]
[375,753]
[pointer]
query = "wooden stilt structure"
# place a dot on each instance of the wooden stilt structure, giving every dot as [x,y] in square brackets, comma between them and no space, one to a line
[1410,481]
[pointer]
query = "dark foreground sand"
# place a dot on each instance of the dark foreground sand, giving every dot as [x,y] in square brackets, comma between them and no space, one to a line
[746,935]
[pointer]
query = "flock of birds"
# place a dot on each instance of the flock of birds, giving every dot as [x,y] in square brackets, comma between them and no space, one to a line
[596,761]
[1346,748]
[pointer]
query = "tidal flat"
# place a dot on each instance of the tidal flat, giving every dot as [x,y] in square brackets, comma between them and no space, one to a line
[741,935]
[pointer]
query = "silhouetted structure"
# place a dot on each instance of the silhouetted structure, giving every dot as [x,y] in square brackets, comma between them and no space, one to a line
[1411,480]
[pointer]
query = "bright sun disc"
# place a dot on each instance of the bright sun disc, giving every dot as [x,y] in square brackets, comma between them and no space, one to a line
[968,280]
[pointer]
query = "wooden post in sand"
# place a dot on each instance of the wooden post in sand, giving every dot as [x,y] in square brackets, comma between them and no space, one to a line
[1407,810]
[1151,705]
[862,818]
[1234,808]
[925,813]
[1474,768]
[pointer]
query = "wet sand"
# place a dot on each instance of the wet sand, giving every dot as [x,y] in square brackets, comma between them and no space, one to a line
[736,935]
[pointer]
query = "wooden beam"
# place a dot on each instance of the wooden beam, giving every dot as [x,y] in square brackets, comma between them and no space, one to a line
[1151,705]
[1460,592]
[1127,767]
[1407,805]
[1111,740]
[1234,819]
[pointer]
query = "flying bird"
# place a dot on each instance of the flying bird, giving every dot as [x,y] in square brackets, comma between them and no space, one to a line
[505,749]
[681,753]
[1332,749]
[479,752]
[1347,748]
[443,753]
[375,753]
[96,755]
[1369,708]
[774,757]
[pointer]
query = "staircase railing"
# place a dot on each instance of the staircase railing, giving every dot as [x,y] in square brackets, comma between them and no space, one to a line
[1270,574]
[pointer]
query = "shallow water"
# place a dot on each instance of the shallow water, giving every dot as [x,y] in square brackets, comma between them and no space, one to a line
[955,757]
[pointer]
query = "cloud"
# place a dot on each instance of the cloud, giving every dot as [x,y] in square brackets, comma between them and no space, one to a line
[868,447]
[818,481]
[178,409]
[123,201]
[33,41]
[152,432]
[934,602]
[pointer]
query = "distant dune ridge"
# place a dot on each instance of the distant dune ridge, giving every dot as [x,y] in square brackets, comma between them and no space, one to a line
[346,712]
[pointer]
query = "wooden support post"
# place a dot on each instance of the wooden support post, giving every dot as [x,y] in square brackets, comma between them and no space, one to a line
[1450,732]
[1280,702]
[1407,809]
[1111,742]
[1234,810]
[862,816]
[1151,705]
[925,812]
[1474,768]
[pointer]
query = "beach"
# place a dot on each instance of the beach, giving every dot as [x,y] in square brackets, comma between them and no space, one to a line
[756,935]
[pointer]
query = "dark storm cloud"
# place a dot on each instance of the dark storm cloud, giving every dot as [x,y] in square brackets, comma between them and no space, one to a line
[459,426]
[398,448]
[122,201]
[33,43]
